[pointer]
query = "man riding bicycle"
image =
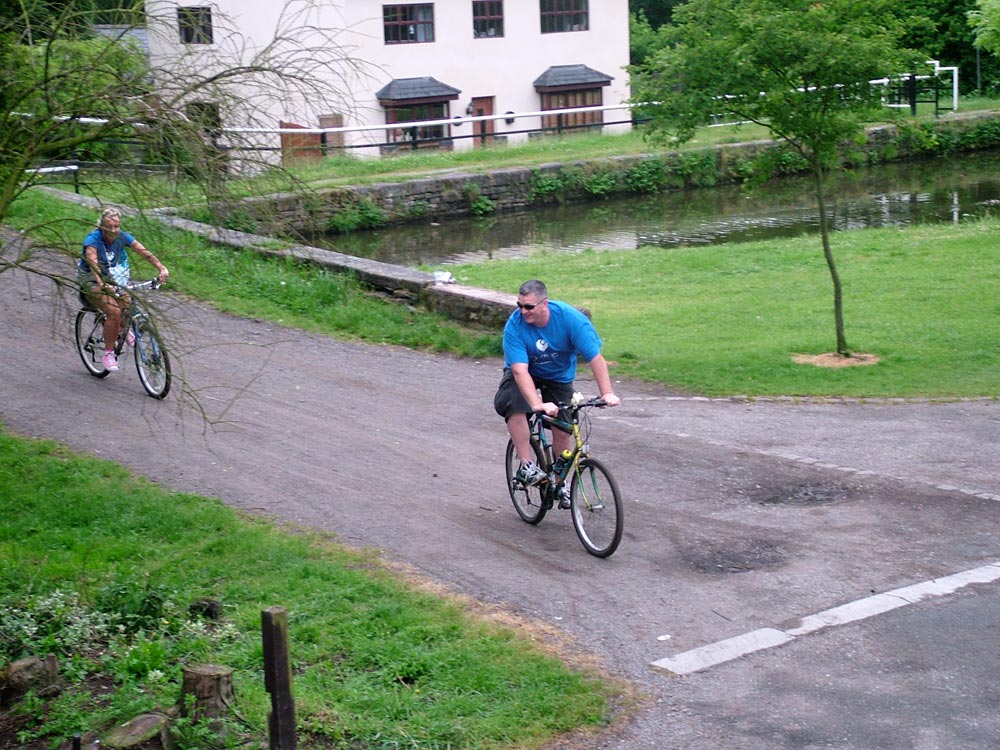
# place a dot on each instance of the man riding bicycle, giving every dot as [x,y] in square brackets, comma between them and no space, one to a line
[541,342]
[103,271]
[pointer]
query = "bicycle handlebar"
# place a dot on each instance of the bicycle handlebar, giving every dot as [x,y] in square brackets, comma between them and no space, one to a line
[583,404]
[143,285]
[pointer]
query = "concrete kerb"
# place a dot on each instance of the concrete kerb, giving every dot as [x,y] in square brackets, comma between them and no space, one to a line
[463,303]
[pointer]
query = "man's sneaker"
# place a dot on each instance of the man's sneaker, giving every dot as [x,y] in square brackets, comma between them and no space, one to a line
[530,474]
[564,502]
[130,337]
[110,361]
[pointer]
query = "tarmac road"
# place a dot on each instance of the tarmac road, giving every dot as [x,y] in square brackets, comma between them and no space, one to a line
[747,523]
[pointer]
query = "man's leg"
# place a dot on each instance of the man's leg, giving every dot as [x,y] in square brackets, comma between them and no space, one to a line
[520,434]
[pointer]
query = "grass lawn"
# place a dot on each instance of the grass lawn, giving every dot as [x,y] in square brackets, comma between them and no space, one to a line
[101,569]
[728,319]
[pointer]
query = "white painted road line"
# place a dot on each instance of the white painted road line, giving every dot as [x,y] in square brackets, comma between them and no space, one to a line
[720,652]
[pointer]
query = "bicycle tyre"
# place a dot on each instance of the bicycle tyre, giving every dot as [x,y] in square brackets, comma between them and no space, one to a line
[596,504]
[529,501]
[151,361]
[89,332]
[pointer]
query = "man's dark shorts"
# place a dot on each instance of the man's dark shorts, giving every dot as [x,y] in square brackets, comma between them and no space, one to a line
[508,400]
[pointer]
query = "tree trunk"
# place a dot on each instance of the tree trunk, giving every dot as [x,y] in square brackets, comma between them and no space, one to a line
[212,688]
[838,304]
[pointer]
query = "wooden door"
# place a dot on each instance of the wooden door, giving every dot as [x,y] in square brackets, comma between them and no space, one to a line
[482,105]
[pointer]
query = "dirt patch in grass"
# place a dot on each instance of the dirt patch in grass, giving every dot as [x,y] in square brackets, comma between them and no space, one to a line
[833,359]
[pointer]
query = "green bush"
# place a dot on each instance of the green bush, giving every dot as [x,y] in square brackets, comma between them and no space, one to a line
[362,214]
[646,176]
[544,186]
[600,182]
[482,206]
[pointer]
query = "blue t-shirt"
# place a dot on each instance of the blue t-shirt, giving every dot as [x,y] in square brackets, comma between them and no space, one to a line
[550,351]
[107,255]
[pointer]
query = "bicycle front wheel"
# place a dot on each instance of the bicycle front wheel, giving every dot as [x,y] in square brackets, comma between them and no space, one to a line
[89,331]
[597,508]
[528,500]
[151,360]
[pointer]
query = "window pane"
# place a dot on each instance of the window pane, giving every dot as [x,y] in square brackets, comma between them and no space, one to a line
[563,15]
[487,18]
[195,25]
[569,100]
[416,113]
[403,24]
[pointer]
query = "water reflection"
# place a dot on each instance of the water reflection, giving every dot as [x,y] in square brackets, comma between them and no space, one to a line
[940,190]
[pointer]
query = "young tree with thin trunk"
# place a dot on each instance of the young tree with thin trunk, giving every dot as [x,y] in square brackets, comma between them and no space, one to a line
[801,68]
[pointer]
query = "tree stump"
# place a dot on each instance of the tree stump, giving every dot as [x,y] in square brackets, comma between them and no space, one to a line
[212,688]
[30,673]
[145,732]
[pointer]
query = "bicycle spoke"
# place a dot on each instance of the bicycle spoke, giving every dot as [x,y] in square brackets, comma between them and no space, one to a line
[597,508]
[151,361]
[529,502]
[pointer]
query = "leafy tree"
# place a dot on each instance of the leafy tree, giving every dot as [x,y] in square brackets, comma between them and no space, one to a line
[642,39]
[801,68]
[656,12]
[940,29]
[985,22]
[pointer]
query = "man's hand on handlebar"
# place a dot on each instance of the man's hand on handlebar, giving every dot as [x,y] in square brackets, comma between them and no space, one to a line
[549,408]
[610,399]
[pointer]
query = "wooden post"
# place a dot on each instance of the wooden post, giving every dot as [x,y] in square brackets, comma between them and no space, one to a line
[278,678]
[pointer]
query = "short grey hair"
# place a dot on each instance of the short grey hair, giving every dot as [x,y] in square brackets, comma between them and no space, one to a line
[109,213]
[533,287]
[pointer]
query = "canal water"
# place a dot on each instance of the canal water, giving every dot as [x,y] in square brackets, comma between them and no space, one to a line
[933,191]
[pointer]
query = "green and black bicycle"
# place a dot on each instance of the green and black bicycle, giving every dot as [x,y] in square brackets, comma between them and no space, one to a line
[594,500]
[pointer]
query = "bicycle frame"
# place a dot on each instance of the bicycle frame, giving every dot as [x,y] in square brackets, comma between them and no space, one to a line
[594,500]
[569,425]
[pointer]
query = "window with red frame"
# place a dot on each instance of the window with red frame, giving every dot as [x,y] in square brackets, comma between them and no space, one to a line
[408,24]
[564,15]
[487,18]
[415,113]
[570,100]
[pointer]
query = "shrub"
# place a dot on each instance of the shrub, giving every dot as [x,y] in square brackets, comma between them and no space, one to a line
[362,214]
[646,176]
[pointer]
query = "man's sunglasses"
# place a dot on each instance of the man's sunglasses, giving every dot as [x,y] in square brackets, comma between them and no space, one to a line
[530,305]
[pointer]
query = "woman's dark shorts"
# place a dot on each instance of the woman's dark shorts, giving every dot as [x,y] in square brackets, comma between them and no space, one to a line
[508,400]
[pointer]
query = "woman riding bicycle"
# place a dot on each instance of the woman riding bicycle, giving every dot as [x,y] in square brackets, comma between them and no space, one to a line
[541,340]
[103,272]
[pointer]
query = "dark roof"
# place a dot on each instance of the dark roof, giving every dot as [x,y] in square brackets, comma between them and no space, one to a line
[409,89]
[561,76]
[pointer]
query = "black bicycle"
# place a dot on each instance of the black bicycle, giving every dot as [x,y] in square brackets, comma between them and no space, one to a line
[151,359]
[594,499]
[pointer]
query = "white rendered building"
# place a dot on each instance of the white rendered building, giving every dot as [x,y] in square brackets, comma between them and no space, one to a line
[379,63]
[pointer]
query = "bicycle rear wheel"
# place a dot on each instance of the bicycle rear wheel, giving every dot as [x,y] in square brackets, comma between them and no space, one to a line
[151,360]
[597,508]
[89,331]
[529,500]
